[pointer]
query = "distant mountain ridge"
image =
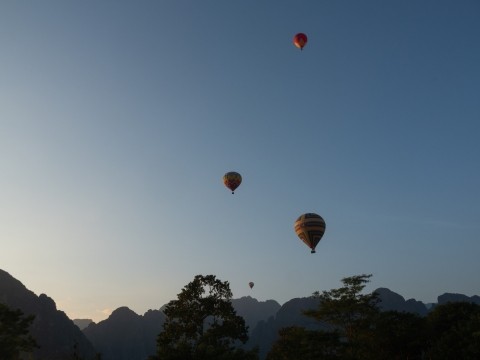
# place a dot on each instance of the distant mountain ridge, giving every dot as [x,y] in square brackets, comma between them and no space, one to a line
[254,311]
[56,334]
[82,323]
[291,313]
[393,301]
[126,335]
[265,319]
[450,297]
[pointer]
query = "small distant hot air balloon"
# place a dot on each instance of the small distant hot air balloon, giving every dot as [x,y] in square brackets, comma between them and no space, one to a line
[310,228]
[232,180]
[251,284]
[299,40]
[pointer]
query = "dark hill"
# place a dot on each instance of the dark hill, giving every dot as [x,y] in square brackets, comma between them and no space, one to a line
[291,313]
[126,335]
[254,311]
[82,323]
[56,334]
[390,300]
[449,297]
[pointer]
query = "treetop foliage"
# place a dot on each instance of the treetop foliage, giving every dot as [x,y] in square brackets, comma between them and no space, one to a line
[359,330]
[14,333]
[202,324]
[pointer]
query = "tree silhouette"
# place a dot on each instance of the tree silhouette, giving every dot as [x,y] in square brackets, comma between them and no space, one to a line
[299,343]
[359,330]
[350,313]
[399,335]
[14,333]
[454,331]
[202,324]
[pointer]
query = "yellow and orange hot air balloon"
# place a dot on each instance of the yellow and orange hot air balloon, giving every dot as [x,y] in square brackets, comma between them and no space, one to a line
[300,40]
[310,228]
[232,180]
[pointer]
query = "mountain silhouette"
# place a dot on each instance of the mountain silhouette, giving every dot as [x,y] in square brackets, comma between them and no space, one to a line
[265,333]
[254,311]
[390,300]
[58,337]
[126,335]
[449,297]
[82,323]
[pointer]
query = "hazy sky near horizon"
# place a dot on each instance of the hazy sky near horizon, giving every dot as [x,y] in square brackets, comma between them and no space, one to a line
[118,120]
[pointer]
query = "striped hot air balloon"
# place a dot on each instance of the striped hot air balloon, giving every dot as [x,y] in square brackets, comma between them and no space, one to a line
[310,228]
[232,180]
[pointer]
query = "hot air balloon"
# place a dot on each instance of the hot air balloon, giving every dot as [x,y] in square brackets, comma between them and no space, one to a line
[251,284]
[310,228]
[299,40]
[232,180]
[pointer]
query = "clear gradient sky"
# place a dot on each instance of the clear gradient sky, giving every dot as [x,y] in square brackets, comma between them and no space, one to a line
[118,120]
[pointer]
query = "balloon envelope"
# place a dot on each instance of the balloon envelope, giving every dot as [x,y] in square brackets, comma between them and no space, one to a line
[299,40]
[310,228]
[251,284]
[232,180]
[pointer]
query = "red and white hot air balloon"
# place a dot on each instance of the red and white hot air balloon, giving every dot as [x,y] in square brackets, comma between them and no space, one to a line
[300,40]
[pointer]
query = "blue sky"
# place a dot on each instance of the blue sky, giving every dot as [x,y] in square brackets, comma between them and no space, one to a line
[118,120]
